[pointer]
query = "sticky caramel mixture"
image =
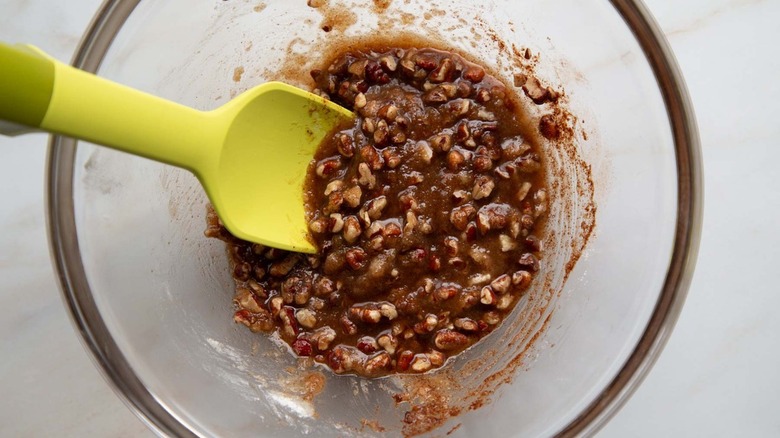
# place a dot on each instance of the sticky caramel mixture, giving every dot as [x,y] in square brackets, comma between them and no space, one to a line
[426,211]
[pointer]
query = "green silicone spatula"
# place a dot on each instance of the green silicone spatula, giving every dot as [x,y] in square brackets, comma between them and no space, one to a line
[250,154]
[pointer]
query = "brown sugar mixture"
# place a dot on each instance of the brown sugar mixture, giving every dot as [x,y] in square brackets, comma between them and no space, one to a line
[426,211]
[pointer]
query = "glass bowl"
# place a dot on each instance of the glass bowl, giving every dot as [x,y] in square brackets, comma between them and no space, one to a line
[151,296]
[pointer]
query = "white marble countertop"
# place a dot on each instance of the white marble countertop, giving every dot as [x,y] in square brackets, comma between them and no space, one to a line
[718,376]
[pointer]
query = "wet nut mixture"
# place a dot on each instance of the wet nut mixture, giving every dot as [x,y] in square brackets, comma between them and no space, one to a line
[426,211]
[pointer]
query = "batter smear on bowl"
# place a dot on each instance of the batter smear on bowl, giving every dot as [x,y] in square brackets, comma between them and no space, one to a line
[426,210]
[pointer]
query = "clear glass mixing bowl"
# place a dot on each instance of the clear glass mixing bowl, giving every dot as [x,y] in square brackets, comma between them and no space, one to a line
[151,296]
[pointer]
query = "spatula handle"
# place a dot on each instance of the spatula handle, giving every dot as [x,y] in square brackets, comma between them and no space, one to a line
[40,92]
[26,85]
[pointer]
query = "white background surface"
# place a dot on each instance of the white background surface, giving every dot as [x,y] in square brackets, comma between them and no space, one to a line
[718,376]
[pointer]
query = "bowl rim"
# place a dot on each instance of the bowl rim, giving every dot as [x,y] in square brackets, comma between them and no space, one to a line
[108,358]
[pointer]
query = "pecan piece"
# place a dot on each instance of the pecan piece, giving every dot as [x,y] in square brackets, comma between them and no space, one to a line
[424,152]
[483,187]
[493,217]
[289,323]
[501,284]
[351,229]
[455,159]
[375,207]
[451,246]
[388,342]
[504,302]
[258,321]
[392,159]
[466,324]
[445,292]
[282,268]
[241,271]
[507,243]
[335,223]
[435,95]
[356,258]
[352,196]
[388,310]
[358,68]
[537,92]
[404,360]
[389,63]
[360,102]
[388,112]
[306,318]
[523,191]
[522,279]
[323,337]
[376,74]
[421,363]
[437,358]
[487,296]
[367,345]
[529,262]
[441,142]
[460,216]
[483,96]
[328,167]
[378,364]
[366,313]
[450,340]
[474,74]
[302,347]
[492,317]
[347,326]
[334,186]
[366,177]
[442,72]
[427,325]
[319,225]
[341,359]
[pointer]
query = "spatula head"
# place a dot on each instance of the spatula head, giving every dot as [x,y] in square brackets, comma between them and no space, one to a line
[256,186]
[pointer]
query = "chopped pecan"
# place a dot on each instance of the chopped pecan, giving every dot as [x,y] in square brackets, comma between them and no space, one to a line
[450,340]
